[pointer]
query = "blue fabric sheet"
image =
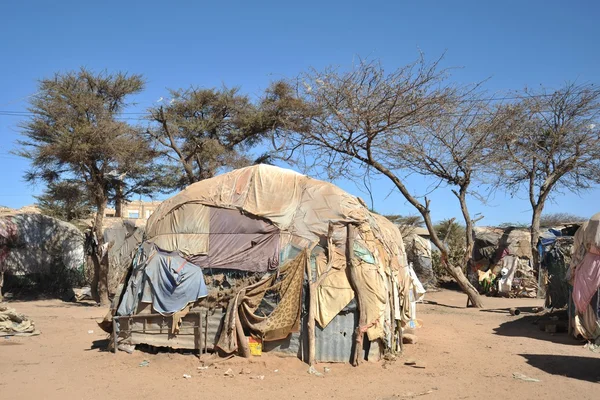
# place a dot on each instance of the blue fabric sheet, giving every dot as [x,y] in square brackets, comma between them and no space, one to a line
[168,281]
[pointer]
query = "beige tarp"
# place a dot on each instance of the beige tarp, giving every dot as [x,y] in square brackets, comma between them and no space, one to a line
[184,229]
[14,324]
[302,209]
[335,291]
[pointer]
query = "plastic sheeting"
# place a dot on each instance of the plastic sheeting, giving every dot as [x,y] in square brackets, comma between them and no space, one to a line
[123,237]
[261,215]
[585,274]
[39,244]
[167,281]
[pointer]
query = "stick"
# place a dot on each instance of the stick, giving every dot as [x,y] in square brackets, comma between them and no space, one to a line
[358,335]
[243,348]
[311,311]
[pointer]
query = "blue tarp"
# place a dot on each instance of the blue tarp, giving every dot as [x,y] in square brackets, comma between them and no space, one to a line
[167,281]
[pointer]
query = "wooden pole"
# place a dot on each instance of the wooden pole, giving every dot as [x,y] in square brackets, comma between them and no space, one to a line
[114,335]
[350,265]
[312,308]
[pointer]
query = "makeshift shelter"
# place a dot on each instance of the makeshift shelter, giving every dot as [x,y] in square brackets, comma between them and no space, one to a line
[419,254]
[555,247]
[45,249]
[584,276]
[267,252]
[502,262]
[122,238]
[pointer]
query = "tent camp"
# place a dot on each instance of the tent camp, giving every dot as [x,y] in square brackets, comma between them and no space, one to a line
[584,276]
[419,253]
[264,253]
[555,247]
[502,262]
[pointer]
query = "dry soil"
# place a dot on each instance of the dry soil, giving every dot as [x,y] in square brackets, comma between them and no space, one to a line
[461,354]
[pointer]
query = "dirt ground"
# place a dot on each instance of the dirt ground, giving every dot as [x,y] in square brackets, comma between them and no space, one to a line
[462,354]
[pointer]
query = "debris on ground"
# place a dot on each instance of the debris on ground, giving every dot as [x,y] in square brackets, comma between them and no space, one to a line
[259,377]
[409,338]
[229,373]
[327,370]
[313,371]
[186,376]
[592,347]
[203,368]
[15,324]
[127,348]
[144,363]
[524,378]
[245,371]
[415,363]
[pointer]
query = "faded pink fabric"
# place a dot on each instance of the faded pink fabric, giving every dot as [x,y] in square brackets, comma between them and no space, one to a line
[587,281]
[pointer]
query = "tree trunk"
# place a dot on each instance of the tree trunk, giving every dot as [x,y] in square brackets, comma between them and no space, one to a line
[462,199]
[100,263]
[312,310]
[455,272]
[119,199]
[534,231]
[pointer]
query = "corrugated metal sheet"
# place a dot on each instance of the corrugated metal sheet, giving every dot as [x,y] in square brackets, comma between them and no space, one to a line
[335,343]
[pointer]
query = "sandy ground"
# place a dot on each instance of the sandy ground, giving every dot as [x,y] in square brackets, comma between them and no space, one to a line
[466,354]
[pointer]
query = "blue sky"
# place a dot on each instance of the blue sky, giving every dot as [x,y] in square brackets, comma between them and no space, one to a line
[181,43]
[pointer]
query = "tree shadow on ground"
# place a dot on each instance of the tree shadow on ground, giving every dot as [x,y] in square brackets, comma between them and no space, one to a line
[66,304]
[582,368]
[449,284]
[529,326]
[435,303]
[523,310]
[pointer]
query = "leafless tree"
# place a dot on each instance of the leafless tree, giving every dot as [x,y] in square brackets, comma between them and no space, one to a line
[456,148]
[551,143]
[358,121]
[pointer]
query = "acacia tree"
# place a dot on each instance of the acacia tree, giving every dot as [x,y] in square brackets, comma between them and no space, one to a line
[456,148]
[560,218]
[551,142]
[66,200]
[200,131]
[354,121]
[74,134]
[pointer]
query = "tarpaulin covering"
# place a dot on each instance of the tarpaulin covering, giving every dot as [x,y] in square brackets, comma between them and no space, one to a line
[39,244]
[256,220]
[503,256]
[13,323]
[585,275]
[123,237]
[167,281]
[418,252]
[239,242]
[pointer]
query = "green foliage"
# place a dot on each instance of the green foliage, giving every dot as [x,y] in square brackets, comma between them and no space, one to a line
[75,140]
[66,200]
[452,235]
[201,132]
[406,223]
[559,218]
